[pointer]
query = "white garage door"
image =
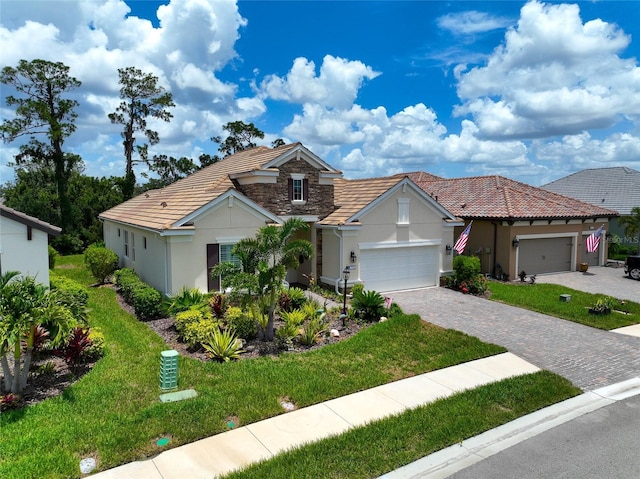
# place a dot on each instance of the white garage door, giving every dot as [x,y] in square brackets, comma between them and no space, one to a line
[392,269]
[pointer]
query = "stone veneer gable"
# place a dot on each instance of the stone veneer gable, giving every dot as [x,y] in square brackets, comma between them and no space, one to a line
[275,198]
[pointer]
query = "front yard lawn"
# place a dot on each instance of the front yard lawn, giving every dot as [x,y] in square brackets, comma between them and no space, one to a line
[113,413]
[545,298]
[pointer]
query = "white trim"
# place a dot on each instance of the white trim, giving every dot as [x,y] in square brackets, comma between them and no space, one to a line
[305,218]
[428,200]
[242,201]
[400,244]
[300,152]
[228,239]
[574,244]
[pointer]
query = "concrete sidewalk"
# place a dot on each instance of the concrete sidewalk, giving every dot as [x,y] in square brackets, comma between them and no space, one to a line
[225,452]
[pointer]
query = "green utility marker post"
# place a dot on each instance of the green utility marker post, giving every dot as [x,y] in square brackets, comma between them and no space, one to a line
[168,370]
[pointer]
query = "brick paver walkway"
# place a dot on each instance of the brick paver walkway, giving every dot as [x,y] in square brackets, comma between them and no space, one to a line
[590,358]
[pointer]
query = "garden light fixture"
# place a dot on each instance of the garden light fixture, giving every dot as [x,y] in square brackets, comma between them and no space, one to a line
[515,242]
[345,276]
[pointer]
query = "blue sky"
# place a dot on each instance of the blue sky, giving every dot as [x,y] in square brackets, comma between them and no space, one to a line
[529,90]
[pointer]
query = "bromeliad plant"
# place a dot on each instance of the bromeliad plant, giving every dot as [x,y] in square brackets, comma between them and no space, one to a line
[223,346]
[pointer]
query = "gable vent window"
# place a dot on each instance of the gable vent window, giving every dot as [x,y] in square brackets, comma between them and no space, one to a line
[403,211]
[298,188]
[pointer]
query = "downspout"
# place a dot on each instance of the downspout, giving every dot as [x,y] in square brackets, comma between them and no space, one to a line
[495,245]
[337,283]
[166,266]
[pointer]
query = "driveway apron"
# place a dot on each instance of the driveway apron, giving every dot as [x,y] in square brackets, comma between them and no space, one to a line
[590,358]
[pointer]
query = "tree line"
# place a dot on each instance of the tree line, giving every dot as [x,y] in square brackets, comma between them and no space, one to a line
[50,183]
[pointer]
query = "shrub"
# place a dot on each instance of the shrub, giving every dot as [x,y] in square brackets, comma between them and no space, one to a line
[147,302]
[244,326]
[465,268]
[96,349]
[223,346]
[72,294]
[184,318]
[196,333]
[368,305]
[467,277]
[9,401]
[53,254]
[101,262]
[187,298]
[232,313]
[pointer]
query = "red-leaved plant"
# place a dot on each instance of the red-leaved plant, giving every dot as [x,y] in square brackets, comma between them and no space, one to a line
[74,350]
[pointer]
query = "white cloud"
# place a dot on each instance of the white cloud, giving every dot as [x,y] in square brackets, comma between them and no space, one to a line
[554,75]
[337,85]
[471,22]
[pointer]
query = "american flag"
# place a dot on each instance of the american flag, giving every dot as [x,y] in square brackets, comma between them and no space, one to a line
[593,241]
[461,244]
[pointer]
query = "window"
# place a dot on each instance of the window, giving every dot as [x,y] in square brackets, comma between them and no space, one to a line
[298,188]
[133,247]
[403,211]
[126,243]
[144,242]
[226,256]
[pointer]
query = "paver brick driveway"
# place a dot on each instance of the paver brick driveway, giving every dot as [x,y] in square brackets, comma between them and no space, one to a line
[590,358]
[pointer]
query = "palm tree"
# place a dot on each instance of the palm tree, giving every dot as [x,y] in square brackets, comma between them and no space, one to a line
[25,305]
[265,260]
[631,224]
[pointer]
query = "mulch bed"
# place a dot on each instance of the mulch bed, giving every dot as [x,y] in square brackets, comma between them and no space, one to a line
[52,383]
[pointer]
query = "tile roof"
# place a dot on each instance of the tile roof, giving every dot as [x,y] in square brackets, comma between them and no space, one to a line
[29,220]
[617,188]
[351,196]
[163,208]
[497,197]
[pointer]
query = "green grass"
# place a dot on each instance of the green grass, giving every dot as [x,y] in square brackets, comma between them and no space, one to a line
[393,442]
[545,298]
[113,413]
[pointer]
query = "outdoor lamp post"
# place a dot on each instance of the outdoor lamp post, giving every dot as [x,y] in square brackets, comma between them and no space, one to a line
[345,276]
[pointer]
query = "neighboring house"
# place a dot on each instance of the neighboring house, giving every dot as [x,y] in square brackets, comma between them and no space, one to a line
[617,188]
[24,244]
[518,227]
[390,233]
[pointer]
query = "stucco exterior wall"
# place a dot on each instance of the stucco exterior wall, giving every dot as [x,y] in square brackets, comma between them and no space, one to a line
[227,223]
[489,238]
[29,257]
[380,225]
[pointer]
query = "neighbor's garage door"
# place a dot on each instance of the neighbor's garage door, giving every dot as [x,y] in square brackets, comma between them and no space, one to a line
[544,255]
[390,269]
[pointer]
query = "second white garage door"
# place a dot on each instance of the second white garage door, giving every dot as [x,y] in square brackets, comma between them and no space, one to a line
[392,269]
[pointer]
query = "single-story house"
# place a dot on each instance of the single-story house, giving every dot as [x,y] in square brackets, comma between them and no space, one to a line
[616,188]
[24,244]
[389,232]
[518,227]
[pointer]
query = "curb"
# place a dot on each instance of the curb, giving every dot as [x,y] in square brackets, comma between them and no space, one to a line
[448,461]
